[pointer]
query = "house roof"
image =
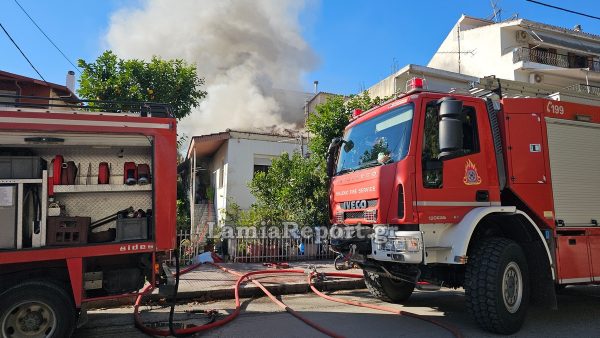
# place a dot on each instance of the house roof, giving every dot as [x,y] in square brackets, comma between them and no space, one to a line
[4,75]
[206,145]
[478,22]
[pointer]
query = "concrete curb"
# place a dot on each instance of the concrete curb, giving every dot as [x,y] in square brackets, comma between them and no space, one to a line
[228,293]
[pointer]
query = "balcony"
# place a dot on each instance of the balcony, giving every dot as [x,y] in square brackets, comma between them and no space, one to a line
[583,88]
[551,58]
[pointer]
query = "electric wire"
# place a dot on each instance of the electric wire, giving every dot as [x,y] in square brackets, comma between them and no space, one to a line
[47,37]
[22,53]
[563,9]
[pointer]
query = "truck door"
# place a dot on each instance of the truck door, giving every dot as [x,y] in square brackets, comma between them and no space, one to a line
[447,189]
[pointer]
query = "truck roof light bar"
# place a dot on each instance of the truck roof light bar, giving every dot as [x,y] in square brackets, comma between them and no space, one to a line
[415,83]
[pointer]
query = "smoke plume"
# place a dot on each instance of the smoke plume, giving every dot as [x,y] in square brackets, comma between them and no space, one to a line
[244,49]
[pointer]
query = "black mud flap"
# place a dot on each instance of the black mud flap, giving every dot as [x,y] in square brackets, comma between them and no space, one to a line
[542,288]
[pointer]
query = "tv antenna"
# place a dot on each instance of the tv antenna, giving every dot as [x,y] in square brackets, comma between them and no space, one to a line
[496,11]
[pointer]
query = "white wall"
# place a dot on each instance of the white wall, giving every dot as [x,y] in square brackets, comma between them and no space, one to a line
[481,53]
[240,168]
[217,170]
[234,162]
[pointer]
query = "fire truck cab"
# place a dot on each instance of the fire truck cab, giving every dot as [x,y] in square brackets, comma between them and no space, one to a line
[501,198]
[87,208]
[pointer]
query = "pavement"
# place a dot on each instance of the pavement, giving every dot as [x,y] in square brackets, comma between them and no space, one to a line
[211,283]
[577,316]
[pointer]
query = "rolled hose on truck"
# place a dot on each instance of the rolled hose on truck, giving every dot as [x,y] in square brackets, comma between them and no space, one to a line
[241,278]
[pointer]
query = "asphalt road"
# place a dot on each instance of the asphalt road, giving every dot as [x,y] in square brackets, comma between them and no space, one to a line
[579,310]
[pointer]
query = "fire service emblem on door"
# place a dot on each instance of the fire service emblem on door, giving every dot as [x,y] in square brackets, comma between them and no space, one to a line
[471,175]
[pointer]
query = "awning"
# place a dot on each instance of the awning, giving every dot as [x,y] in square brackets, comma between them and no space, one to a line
[570,44]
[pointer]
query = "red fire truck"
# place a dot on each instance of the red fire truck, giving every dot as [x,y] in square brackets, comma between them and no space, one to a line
[499,197]
[87,208]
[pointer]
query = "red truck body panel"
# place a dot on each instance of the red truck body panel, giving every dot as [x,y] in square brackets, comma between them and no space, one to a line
[525,141]
[162,132]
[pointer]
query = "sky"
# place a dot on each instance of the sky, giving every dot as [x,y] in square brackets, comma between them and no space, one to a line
[356,43]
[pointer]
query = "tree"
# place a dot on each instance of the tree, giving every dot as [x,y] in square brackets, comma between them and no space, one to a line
[331,118]
[292,190]
[167,81]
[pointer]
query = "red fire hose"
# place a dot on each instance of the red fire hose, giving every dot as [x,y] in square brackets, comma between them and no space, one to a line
[310,278]
[242,277]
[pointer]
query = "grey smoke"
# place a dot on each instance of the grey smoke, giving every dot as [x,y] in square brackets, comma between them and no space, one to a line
[246,50]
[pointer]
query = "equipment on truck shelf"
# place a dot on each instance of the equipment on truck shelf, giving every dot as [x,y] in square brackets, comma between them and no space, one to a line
[103,173]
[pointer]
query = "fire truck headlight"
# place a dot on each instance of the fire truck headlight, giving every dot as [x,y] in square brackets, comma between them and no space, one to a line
[410,244]
[413,244]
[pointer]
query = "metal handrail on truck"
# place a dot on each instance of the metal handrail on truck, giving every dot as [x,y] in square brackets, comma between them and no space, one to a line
[141,108]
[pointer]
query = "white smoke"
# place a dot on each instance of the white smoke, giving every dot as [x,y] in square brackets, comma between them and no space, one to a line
[243,48]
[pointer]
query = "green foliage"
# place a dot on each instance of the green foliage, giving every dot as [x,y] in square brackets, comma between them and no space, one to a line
[328,121]
[167,81]
[210,194]
[234,215]
[294,189]
[183,214]
[331,118]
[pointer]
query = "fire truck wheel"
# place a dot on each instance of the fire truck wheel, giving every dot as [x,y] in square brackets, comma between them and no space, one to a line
[497,285]
[36,309]
[387,289]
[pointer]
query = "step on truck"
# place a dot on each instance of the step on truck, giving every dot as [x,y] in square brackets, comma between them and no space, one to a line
[87,208]
[501,198]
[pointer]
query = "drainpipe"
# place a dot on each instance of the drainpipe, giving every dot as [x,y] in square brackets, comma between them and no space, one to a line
[20,92]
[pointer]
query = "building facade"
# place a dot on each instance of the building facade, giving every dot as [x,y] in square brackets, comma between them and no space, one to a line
[222,164]
[524,51]
[21,91]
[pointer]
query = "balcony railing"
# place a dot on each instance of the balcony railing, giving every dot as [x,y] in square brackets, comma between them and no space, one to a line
[554,59]
[583,88]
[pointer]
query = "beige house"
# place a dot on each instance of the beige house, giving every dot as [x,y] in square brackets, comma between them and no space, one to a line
[524,51]
[225,162]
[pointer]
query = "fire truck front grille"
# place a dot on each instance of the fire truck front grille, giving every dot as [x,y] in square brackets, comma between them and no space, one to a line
[354,214]
[370,215]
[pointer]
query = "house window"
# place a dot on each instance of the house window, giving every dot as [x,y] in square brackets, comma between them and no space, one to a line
[261,164]
[258,168]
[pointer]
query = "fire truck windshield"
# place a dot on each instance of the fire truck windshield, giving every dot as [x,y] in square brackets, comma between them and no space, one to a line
[380,140]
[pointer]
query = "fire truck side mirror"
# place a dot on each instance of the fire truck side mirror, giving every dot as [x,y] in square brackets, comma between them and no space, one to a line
[331,151]
[450,127]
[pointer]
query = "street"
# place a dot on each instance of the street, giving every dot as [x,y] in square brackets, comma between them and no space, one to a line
[577,317]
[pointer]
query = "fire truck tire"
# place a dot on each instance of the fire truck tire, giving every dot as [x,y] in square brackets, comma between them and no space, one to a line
[36,309]
[387,289]
[497,285]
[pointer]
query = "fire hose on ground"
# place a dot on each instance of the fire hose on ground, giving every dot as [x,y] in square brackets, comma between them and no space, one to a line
[247,276]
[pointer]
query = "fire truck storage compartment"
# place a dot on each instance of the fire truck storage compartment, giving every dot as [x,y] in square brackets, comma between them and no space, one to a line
[111,275]
[8,216]
[86,198]
[575,171]
[574,257]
